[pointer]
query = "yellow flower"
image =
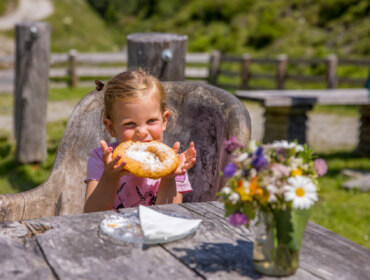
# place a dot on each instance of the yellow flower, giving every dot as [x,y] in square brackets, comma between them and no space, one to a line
[296,172]
[261,195]
[244,196]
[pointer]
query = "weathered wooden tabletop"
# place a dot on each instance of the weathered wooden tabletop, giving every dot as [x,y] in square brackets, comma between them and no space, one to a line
[75,248]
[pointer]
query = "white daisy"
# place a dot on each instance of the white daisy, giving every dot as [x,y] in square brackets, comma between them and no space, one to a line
[234,198]
[301,191]
[296,162]
[287,145]
[273,190]
[242,157]
[252,146]
[253,172]
[226,190]
[238,172]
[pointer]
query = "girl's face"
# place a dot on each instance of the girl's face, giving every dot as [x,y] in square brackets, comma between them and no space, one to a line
[137,120]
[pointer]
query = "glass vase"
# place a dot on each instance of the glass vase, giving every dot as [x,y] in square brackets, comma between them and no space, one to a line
[278,237]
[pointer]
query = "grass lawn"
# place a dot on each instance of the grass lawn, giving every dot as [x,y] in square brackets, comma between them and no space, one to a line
[19,178]
[344,212]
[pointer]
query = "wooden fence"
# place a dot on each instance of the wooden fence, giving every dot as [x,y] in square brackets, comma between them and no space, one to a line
[329,79]
[80,69]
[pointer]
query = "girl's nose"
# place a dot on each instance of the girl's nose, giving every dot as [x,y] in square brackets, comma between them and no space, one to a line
[141,131]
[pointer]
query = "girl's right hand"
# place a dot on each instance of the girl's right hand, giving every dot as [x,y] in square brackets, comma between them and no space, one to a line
[111,166]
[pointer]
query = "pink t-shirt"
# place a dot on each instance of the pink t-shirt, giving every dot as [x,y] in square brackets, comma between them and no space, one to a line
[132,190]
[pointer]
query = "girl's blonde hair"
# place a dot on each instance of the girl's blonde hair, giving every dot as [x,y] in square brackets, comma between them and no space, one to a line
[136,84]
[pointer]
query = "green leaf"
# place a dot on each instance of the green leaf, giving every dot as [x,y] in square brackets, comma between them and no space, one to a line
[299,221]
[284,226]
[290,226]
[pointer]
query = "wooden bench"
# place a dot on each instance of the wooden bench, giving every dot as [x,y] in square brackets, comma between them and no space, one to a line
[286,111]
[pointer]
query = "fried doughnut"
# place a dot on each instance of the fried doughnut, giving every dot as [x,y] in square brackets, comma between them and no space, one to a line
[147,159]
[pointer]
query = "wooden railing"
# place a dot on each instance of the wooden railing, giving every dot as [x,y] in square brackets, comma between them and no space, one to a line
[329,79]
[79,69]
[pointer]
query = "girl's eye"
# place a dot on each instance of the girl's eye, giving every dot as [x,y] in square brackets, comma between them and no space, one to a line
[152,120]
[129,124]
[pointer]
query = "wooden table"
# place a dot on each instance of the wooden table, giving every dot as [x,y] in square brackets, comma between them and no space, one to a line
[75,248]
[286,111]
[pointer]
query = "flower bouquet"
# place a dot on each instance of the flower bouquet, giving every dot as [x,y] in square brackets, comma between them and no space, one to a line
[277,183]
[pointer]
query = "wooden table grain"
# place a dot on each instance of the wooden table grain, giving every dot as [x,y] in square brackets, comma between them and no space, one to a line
[73,247]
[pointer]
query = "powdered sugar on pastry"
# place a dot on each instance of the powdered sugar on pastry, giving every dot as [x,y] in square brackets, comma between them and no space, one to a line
[147,159]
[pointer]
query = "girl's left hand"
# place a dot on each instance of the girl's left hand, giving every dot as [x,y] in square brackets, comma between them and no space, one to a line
[186,159]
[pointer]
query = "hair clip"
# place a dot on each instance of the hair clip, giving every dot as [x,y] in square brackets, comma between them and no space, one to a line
[99,85]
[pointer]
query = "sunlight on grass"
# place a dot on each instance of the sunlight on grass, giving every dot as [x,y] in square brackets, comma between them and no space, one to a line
[344,212]
[70,94]
[6,104]
[18,178]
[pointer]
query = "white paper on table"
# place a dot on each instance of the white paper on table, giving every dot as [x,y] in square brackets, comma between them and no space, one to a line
[156,225]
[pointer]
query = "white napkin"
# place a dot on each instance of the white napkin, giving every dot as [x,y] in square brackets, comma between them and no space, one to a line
[156,225]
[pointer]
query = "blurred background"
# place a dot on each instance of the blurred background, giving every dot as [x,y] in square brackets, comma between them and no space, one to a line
[307,28]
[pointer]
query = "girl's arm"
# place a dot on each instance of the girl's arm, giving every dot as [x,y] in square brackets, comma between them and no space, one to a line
[167,192]
[100,194]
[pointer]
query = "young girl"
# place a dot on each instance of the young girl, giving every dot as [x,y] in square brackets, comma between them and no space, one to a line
[135,108]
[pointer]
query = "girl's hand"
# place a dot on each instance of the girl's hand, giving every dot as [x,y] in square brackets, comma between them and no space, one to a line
[111,166]
[186,159]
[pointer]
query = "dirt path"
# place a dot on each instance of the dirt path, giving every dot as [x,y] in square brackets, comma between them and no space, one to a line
[325,131]
[56,111]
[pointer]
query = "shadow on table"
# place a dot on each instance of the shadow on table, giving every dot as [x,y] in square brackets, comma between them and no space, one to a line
[217,257]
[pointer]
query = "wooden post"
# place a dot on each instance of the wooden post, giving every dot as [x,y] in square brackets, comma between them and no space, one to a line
[363,147]
[286,123]
[31,91]
[215,61]
[246,61]
[163,55]
[282,61]
[331,71]
[72,71]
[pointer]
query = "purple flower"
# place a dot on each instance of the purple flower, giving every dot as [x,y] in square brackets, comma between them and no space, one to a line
[230,169]
[259,161]
[238,219]
[320,167]
[232,144]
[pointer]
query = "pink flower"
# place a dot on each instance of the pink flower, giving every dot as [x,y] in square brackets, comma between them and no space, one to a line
[232,144]
[238,219]
[280,170]
[320,167]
